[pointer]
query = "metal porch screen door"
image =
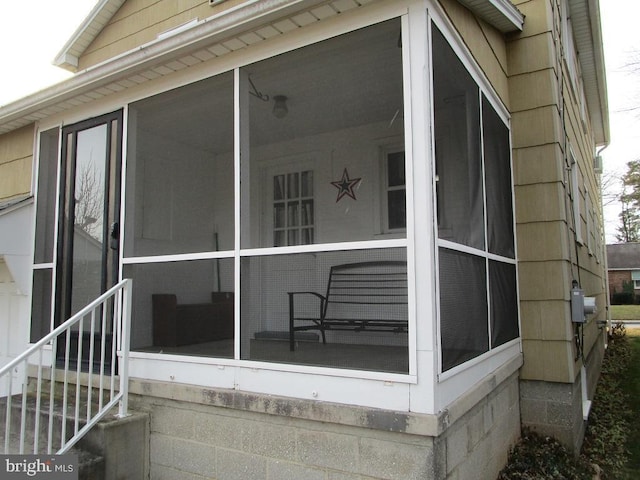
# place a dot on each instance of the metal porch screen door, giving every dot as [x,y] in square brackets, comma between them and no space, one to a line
[89,231]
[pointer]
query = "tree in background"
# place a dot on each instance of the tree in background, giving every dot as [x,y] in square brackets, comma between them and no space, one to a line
[629,228]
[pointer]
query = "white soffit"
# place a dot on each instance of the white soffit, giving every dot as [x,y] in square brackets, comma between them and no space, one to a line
[502,14]
[587,33]
[249,23]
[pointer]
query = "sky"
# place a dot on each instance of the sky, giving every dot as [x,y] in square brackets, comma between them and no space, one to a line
[33,32]
[621,40]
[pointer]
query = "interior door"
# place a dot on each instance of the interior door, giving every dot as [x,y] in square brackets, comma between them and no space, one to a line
[89,213]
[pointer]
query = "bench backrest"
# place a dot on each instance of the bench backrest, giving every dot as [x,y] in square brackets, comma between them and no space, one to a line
[375,290]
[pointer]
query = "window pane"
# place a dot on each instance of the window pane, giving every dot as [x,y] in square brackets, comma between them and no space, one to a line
[46,207]
[342,96]
[397,209]
[180,177]
[279,239]
[292,214]
[183,307]
[370,290]
[457,142]
[395,166]
[278,210]
[41,304]
[307,212]
[278,187]
[89,225]
[307,236]
[497,161]
[292,185]
[463,307]
[504,303]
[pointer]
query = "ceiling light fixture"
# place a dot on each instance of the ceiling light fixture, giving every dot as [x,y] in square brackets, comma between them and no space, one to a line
[280,109]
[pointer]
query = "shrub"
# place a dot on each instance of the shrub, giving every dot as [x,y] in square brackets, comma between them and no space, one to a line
[540,457]
[622,298]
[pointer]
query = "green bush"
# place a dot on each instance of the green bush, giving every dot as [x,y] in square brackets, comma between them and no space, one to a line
[622,298]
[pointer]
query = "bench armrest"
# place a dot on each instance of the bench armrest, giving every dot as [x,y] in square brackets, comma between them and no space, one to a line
[292,296]
[292,315]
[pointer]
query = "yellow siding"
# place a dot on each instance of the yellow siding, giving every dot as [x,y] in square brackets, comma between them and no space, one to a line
[486,44]
[16,160]
[139,22]
[553,361]
[550,258]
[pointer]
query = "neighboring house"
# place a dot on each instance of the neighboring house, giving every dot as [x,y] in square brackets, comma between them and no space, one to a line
[624,267]
[231,152]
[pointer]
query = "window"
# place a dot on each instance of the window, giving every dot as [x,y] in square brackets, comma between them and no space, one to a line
[395,191]
[228,199]
[179,213]
[310,177]
[293,209]
[477,268]
[576,197]
[45,234]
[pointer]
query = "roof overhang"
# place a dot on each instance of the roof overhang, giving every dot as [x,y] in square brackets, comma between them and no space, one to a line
[102,12]
[502,14]
[248,23]
[587,32]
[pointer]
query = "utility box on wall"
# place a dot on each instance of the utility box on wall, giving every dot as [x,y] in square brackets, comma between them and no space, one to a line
[581,306]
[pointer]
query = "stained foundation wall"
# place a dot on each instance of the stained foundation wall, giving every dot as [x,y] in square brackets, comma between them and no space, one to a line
[197,433]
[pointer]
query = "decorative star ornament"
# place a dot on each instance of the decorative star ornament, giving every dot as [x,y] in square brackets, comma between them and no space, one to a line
[346,185]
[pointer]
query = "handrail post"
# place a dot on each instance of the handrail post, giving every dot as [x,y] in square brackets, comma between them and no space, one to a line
[121,295]
[125,340]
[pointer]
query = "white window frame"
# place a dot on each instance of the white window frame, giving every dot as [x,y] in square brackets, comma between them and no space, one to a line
[385,188]
[285,172]
[574,191]
[455,381]
[568,47]
[358,387]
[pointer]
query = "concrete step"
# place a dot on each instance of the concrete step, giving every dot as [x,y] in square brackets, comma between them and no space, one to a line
[91,464]
[40,418]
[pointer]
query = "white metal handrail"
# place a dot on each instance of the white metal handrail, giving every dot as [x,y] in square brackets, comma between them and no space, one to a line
[108,316]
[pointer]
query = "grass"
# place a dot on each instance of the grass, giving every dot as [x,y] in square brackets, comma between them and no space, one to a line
[625,312]
[631,387]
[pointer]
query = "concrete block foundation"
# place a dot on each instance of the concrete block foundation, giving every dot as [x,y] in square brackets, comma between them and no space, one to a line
[195,436]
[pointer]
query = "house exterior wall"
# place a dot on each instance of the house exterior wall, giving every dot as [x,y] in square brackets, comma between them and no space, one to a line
[13,307]
[617,279]
[554,246]
[487,45]
[470,437]
[16,161]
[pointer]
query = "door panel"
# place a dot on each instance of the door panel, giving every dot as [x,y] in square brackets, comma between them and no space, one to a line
[88,243]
